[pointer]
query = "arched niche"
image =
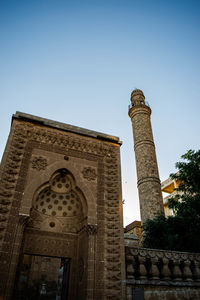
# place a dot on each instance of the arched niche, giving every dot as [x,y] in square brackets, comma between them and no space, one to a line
[58,205]
[35,182]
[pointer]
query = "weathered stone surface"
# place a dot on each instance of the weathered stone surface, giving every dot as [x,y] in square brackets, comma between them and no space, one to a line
[43,160]
[162,274]
[150,196]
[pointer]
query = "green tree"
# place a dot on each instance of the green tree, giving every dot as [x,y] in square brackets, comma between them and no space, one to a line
[181,231]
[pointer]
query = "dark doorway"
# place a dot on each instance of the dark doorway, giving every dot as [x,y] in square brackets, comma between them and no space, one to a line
[42,278]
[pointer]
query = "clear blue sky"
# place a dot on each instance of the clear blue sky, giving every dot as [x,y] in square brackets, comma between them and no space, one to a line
[78,61]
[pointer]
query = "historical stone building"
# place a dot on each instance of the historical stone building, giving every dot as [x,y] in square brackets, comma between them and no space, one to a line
[61,228]
[61,212]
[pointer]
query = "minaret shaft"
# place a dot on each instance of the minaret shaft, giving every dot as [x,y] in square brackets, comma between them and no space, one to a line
[149,188]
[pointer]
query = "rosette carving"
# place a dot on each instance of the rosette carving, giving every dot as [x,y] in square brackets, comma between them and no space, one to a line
[89,173]
[39,163]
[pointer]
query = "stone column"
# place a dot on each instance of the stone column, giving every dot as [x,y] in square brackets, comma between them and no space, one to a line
[149,187]
[91,231]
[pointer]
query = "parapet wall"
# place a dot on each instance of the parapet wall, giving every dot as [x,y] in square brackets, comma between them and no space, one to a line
[159,274]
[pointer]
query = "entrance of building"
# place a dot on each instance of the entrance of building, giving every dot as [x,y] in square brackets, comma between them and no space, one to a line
[42,278]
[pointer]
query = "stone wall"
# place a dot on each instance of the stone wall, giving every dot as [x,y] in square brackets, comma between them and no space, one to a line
[158,274]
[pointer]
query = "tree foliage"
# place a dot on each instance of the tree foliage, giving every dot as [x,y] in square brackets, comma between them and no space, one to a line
[181,231]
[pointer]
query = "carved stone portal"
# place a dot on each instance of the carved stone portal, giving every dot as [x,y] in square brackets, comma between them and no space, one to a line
[66,216]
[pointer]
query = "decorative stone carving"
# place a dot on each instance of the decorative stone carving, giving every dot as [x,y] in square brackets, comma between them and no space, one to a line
[3,210]
[173,268]
[3,218]
[26,137]
[2,227]
[112,226]
[39,163]
[196,271]
[44,243]
[176,270]
[91,229]
[166,271]
[62,140]
[154,269]
[89,173]
[142,268]
[187,274]
[151,204]
[8,207]
[4,201]
[23,219]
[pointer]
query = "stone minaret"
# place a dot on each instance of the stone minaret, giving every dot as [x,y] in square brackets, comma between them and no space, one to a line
[150,196]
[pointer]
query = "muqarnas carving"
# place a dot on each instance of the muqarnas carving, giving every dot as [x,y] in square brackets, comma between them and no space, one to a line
[58,203]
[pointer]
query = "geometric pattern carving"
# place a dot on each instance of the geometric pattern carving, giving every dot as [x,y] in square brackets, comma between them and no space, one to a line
[91,229]
[58,205]
[113,253]
[9,180]
[59,199]
[44,243]
[39,163]
[8,207]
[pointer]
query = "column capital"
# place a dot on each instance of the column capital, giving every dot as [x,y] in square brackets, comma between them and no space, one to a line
[23,219]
